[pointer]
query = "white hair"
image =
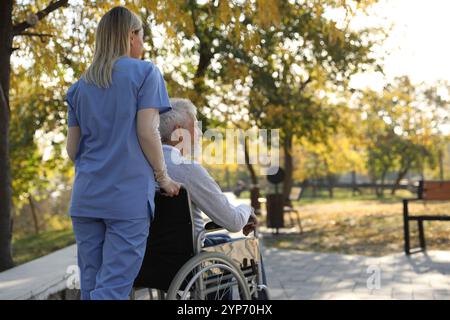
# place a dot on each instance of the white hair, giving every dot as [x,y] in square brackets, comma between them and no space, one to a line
[183,110]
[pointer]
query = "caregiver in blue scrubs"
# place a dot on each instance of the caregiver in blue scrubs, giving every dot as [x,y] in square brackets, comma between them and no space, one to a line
[113,138]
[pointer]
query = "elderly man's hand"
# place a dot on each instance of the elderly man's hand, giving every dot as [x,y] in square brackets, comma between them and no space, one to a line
[251,224]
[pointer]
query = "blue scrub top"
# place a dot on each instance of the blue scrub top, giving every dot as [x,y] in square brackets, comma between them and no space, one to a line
[113,179]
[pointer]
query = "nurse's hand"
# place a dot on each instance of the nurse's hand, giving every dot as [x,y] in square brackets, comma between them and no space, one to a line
[170,187]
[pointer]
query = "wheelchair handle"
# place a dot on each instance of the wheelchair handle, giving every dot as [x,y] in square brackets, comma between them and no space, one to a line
[212,226]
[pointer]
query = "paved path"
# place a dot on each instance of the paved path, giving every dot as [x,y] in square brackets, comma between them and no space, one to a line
[303,275]
[291,275]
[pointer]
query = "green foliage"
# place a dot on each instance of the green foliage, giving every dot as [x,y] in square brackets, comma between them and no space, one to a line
[293,72]
[51,54]
[264,63]
[402,134]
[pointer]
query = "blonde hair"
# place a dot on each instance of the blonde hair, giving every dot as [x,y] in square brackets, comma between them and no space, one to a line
[112,41]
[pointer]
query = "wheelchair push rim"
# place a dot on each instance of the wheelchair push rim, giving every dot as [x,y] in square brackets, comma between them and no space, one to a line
[208,276]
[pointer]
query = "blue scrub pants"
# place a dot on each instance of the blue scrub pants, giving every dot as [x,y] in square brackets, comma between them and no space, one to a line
[110,254]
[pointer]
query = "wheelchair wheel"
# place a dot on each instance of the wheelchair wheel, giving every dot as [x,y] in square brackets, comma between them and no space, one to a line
[209,276]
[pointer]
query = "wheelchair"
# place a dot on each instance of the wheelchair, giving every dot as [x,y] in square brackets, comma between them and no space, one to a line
[177,267]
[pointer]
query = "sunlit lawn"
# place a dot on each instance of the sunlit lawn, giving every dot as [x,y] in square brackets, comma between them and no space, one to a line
[363,226]
[359,225]
[33,247]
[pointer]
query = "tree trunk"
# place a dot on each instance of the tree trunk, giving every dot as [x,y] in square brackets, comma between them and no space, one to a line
[288,167]
[6,260]
[330,190]
[441,164]
[330,180]
[205,55]
[7,32]
[421,171]
[254,189]
[381,188]
[314,188]
[373,181]
[400,176]
[355,188]
[34,214]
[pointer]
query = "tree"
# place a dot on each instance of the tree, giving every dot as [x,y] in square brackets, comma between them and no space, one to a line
[399,131]
[48,49]
[195,33]
[10,29]
[213,26]
[294,68]
[52,48]
[326,160]
[436,102]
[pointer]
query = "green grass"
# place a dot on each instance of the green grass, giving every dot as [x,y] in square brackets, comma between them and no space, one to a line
[340,194]
[35,246]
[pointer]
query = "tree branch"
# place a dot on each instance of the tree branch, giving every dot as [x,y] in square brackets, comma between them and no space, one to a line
[34,34]
[54,5]
[304,84]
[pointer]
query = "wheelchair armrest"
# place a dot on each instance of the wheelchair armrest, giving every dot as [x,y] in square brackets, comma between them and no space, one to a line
[212,226]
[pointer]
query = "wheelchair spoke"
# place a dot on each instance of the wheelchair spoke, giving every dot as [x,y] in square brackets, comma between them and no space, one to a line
[211,277]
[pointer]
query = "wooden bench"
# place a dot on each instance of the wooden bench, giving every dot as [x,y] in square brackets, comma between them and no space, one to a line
[427,191]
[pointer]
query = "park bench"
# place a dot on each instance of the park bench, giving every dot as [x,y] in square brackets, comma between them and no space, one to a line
[294,195]
[427,191]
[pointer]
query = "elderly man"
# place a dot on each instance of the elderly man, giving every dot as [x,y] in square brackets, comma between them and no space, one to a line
[204,192]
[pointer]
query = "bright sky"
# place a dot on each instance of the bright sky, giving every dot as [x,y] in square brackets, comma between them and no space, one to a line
[418,44]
